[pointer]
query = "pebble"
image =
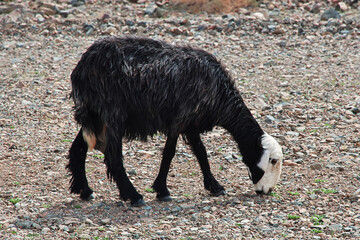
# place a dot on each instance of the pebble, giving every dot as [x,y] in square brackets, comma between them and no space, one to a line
[316,166]
[105,221]
[330,13]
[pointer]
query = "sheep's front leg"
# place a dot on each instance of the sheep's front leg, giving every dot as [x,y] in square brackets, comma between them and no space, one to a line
[116,170]
[199,150]
[159,185]
[76,166]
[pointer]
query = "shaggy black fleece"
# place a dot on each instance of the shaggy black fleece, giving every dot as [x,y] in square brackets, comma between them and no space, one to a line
[137,87]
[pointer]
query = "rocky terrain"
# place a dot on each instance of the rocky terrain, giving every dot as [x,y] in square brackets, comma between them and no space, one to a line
[297,66]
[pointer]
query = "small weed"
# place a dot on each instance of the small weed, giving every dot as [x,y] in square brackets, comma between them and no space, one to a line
[274,194]
[17,183]
[14,200]
[327,125]
[46,205]
[294,193]
[327,191]
[31,235]
[316,231]
[293,217]
[12,127]
[317,219]
[14,232]
[99,156]
[320,180]
[66,140]
[193,173]
[150,190]
[101,229]
[221,168]
[322,190]
[77,206]
[238,224]
[89,170]
[187,195]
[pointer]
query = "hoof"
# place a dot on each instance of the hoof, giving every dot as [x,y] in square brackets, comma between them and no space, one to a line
[138,203]
[90,197]
[87,197]
[221,192]
[165,199]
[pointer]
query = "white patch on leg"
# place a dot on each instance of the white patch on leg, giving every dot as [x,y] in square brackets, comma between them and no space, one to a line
[270,163]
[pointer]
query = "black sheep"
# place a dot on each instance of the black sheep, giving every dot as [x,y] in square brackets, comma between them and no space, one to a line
[135,87]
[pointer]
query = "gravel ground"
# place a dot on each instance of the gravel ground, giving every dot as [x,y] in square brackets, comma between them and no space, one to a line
[297,66]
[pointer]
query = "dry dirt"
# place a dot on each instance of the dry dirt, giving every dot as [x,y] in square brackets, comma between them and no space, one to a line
[298,72]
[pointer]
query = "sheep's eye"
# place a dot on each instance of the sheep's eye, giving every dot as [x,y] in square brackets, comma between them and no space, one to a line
[273,161]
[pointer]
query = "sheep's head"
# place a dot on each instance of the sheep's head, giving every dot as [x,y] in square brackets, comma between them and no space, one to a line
[266,172]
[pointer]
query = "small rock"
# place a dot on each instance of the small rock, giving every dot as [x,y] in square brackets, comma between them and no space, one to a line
[355,110]
[27,224]
[259,15]
[40,18]
[330,13]
[132,172]
[342,6]
[269,119]
[335,227]
[313,196]
[84,236]
[316,166]
[26,102]
[105,221]
[45,230]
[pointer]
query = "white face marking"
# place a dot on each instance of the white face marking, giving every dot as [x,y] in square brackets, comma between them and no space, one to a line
[270,163]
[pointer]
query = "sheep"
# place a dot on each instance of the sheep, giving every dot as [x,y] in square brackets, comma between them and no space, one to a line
[132,87]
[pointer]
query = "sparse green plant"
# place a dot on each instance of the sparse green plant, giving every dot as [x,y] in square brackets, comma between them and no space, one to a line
[221,168]
[193,173]
[238,224]
[316,231]
[13,232]
[14,200]
[150,190]
[294,193]
[77,206]
[187,195]
[317,219]
[101,229]
[320,180]
[99,156]
[293,217]
[46,205]
[322,190]
[274,194]
[33,235]
[66,140]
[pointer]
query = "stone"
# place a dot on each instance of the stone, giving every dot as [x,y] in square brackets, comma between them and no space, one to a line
[105,221]
[330,13]
[335,227]
[316,166]
[342,6]
[259,15]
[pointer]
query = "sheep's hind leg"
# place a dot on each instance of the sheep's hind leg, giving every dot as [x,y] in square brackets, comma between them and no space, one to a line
[159,185]
[116,170]
[76,166]
[199,150]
